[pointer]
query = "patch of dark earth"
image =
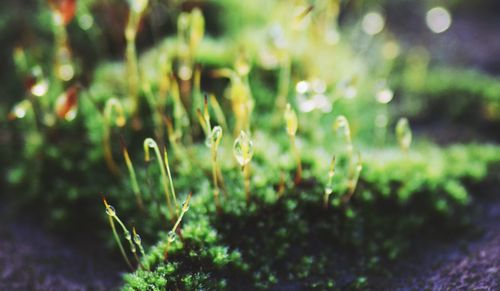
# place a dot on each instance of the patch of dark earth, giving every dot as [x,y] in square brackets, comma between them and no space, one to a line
[469,263]
[446,133]
[32,258]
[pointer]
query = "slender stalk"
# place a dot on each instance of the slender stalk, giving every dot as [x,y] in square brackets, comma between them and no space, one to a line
[128,237]
[117,239]
[133,178]
[296,154]
[112,106]
[291,128]
[213,138]
[138,241]
[110,211]
[243,152]
[181,117]
[171,182]
[150,143]
[404,135]
[281,187]
[136,10]
[185,208]
[179,151]
[171,233]
[219,114]
[246,177]
[353,179]
[329,183]
[283,82]
[214,177]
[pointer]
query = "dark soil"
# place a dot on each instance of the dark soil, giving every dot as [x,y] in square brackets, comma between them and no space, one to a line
[33,259]
[469,263]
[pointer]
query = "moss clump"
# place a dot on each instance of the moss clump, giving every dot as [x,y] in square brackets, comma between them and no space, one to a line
[295,241]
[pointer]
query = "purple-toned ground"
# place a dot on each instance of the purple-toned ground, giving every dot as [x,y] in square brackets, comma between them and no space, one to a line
[471,263]
[33,259]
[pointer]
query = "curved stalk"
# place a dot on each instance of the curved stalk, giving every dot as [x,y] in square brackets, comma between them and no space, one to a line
[110,211]
[150,143]
[113,105]
[133,178]
[329,183]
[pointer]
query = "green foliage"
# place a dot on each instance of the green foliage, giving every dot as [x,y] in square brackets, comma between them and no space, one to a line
[294,240]
[463,96]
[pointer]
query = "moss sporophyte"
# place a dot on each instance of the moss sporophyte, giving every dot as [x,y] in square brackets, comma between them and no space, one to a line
[172,233]
[110,211]
[243,152]
[291,128]
[137,9]
[404,135]
[150,143]
[329,183]
[133,177]
[213,137]
[133,241]
[351,168]
[113,115]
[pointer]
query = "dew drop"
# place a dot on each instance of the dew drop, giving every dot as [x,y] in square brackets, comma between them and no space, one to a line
[243,148]
[171,236]
[110,210]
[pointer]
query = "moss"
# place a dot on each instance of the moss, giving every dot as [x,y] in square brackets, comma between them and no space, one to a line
[293,240]
[475,96]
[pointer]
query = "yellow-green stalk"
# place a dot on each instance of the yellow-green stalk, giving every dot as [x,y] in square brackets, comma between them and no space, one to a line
[190,31]
[243,152]
[213,137]
[137,9]
[196,95]
[404,135]
[219,113]
[172,233]
[281,186]
[354,174]
[291,128]
[156,106]
[342,129]
[284,80]
[329,183]
[110,211]
[383,96]
[128,237]
[214,140]
[138,241]
[239,93]
[179,151]
[181,117]
[150,143]
[171,182]
[133,177]
[113,115]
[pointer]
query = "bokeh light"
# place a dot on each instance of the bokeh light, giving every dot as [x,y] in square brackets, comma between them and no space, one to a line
[438,19]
